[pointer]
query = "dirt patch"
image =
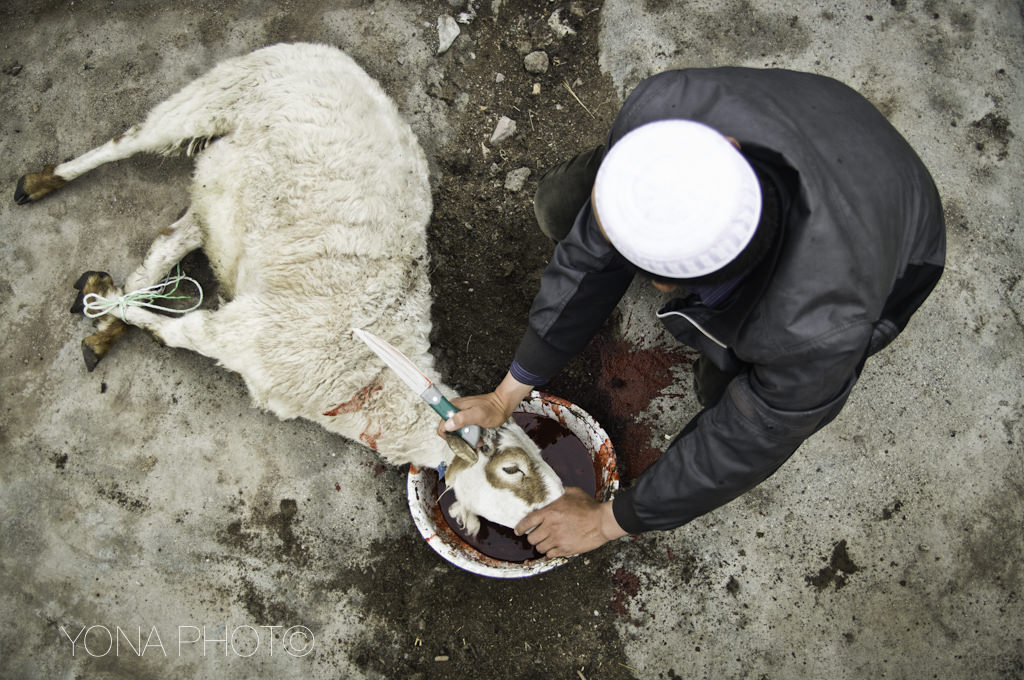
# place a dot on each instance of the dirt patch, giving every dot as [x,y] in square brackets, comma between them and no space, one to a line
[992,129]
[127,501]
[486,251]
[890,512]
[840,568]
[446,623]
[263,608]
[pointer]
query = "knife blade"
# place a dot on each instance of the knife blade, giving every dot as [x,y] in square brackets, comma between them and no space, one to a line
[416,381]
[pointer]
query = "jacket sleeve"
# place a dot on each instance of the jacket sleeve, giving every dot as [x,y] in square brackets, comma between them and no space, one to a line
[735,444]
[584,281]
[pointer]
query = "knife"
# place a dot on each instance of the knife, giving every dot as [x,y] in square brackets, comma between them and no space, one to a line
[417,382]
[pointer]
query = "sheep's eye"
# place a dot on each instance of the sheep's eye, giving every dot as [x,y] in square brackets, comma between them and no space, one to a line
[511,469]
[485,448]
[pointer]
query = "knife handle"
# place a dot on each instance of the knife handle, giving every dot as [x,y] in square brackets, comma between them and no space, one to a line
[444,408]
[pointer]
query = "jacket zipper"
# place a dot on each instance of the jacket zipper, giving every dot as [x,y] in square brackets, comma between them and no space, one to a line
[697,326]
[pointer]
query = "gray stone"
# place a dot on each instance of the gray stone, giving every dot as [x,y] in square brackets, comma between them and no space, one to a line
[504,130]
[516,179]
[447,31]
[536,62]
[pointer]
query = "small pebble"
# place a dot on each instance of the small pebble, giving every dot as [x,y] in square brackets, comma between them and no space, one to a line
[516,179]
[504,130]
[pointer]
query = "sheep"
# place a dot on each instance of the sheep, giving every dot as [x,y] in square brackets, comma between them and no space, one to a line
[310,197]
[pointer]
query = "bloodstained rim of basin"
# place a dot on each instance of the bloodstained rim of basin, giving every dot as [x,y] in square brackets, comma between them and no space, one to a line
[422,492]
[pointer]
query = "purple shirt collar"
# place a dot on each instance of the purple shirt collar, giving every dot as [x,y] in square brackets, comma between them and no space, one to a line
[715,296]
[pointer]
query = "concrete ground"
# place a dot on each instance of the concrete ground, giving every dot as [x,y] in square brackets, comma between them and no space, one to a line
[147,511]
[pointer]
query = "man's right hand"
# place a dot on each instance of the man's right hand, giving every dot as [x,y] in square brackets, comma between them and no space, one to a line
[487,410]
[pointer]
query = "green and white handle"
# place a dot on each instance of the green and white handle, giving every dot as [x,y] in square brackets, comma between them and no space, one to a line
[444,408]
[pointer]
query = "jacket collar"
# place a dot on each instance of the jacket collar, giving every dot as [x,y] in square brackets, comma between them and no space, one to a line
[725,322]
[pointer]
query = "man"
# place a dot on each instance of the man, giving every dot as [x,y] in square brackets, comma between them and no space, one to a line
[800,231]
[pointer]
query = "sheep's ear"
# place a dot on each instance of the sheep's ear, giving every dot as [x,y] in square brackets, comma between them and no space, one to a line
[460,448]
[469,521]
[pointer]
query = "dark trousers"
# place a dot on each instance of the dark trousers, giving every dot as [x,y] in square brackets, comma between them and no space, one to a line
[561,193]
[709,381]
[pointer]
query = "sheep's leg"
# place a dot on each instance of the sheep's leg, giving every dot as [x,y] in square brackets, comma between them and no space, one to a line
[191,331]
[203,110]
[170,247]
[34,186]
[147,137]
[223,334]
[196,331]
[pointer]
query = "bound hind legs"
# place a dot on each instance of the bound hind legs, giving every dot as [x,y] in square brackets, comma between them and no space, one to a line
[169,248]
[109,329]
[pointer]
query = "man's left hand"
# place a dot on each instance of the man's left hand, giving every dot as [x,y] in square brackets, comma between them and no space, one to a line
[574,523]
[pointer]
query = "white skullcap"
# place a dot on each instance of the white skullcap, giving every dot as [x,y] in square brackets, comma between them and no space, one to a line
[677,199]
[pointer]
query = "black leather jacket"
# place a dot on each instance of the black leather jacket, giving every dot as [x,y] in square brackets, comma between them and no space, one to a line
[863,244]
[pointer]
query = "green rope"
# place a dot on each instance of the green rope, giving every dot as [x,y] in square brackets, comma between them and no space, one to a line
[95,305]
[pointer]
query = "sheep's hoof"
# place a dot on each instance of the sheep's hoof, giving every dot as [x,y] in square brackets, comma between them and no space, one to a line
[90,355]
[35,185]
[97,345]
[21,196]
[90,282]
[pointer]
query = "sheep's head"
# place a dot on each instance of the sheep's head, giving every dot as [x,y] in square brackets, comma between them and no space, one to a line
[502,480]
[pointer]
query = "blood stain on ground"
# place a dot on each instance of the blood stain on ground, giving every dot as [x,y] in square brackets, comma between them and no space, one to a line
[628,380]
